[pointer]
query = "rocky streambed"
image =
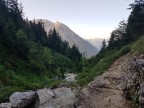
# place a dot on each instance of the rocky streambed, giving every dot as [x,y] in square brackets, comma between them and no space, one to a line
[62,97]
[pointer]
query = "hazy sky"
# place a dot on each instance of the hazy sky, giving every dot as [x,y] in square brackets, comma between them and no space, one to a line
[88,18]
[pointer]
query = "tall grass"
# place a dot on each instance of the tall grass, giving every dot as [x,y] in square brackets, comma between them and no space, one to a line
[138,46]
[110,56]
[88,74]
[11,82]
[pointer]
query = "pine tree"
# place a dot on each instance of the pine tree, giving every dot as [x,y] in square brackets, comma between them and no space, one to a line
[22,44]
[136,19]
[104,46]
[9,35]
[118,36]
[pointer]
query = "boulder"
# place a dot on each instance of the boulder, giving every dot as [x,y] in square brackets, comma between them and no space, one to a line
[28,99]
[45,95]
[64,98]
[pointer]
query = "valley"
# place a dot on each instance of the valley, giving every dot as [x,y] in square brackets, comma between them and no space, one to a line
[47,65]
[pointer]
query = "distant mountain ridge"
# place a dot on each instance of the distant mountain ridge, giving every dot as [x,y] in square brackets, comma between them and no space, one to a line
[67,34]
[97,42]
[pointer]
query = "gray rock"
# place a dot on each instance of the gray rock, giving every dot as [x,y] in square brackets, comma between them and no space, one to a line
[28,99]
[134,89]
[5,105]
[141,89]
[64,98]
[140,61]
[45,95]
[70,77]
[141,95]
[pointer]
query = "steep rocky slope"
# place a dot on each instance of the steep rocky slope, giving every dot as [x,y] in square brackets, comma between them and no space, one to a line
[116,88]
[67,34]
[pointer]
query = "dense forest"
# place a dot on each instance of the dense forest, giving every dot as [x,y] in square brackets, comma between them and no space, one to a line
[30,57]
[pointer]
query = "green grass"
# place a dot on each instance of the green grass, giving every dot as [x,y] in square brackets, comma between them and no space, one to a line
[138,46]
[11,82]
[89,73]
[110,56]
[5,92]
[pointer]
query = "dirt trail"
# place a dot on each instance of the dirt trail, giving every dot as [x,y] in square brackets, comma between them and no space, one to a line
[106,91]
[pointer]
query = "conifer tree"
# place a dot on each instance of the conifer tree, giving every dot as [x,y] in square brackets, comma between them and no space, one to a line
[104,46]
[136,19]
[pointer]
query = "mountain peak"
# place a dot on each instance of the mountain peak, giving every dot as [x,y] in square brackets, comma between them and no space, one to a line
[57,24]
[67,34]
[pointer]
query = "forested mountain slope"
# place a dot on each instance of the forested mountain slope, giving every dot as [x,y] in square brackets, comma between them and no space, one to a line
[71,37]
[29,57]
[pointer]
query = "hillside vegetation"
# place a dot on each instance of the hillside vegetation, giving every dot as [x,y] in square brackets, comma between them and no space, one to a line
[67,34]
[29,57]
[128,37]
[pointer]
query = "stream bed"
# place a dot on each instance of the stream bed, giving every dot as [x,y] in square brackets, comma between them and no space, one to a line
[63,97]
